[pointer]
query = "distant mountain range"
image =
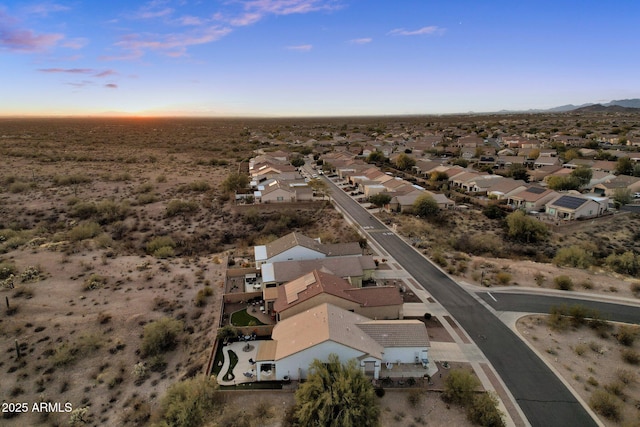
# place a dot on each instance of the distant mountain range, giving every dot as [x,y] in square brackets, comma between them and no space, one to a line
[618,106]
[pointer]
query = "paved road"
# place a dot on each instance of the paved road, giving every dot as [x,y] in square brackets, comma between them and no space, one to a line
[541,395]
[529,303]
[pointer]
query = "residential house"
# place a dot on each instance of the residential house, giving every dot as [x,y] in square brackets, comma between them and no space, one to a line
[353,269]
[503,188]
[317,287]
[531,199]
[327,329]
[297,246]
[608,188]
[569,207]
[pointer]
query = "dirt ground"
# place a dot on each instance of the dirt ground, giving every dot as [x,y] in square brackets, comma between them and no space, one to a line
[589,361]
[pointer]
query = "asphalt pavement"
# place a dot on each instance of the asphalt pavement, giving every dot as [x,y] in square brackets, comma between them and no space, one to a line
[543,398]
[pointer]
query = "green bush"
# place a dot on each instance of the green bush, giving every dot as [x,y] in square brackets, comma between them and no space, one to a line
[564,283]
[61,180]
[573,256]
[459,387]
[175,207]
[161,336]
[503,278]
[196,186]
[484,411]
[190,403]
[86,230]
[164,252]
[7,269]
[160,242]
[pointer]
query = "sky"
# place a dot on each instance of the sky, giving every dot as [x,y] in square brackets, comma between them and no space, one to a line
[313,57]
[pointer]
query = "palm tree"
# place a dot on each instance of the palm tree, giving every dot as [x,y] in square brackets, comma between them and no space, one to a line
[336,395]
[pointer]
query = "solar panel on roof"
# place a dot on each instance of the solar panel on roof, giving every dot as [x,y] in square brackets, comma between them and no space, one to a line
[536,190]
[569,202]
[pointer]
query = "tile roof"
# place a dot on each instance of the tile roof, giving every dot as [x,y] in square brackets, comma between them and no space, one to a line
[319,324]
[397,333]
[284,271]
[376,296]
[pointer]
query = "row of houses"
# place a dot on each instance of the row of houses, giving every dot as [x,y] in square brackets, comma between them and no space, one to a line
[325,310]
[275,180]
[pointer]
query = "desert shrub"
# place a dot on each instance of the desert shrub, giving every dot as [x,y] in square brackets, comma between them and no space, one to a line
[19,187]
[573,256]
[86,230]
[557,319]
[525,228]
[108,211]
[564,283]
[227,332]
[164,252]
[140,373]
[630,356]
[606,405]
[580,349]
[161,336]
[61,180]
[414,397]
[159,242]
[616,388]
[626,334]
[30,274]
[175,207]
[7,269]
[64,354]
[439,258]
[146,198]
[161,178]
[459,387]
[625,376]
[144,188]
[190,403]
[503,278]
[540,279]
[95,281]
[83,210]
[196,186]
[484,411]
[626,263]
[200,299]
[635,289]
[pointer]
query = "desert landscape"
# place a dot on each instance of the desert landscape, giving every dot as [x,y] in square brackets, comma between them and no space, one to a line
[112,228]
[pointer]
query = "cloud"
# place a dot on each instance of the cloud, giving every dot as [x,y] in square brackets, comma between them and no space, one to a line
[363,40]
[419,32]
[191,21]
[24,40]
[153,9]
[77,43]
[256,10]
[91,71]
[106,73]
[301,48]
[174,45]
[67,70]
[111,86]
[45,8]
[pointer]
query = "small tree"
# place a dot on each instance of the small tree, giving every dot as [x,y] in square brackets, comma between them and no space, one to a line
[319,187]
[336,394]
[160,336]
[459,387]
[405,162]
[622,196]
[583,175]
[524,228]
[297,162]
[624,166]
[190,403]
[379,200]
[517,171]
[484,411]
[234,182]
[426,206]
[227,332]
[376,157]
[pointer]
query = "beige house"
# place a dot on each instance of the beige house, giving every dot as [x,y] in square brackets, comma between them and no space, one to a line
[327,329]
[569,207]
[353,269]
[619,182]
[531,199]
